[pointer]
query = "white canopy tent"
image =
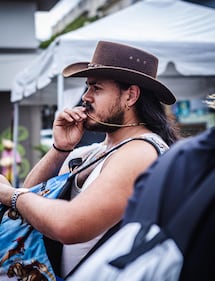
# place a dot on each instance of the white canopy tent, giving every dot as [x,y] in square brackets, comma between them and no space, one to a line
[174,30]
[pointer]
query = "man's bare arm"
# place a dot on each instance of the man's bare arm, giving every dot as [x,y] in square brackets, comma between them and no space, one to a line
[98,207]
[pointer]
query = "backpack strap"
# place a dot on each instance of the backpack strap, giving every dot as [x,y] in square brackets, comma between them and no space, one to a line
[147,137]
[150,138]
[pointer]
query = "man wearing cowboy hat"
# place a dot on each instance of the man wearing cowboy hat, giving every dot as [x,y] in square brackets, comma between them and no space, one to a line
[123,99]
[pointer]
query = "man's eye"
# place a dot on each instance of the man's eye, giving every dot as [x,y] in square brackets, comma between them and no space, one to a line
[95,88]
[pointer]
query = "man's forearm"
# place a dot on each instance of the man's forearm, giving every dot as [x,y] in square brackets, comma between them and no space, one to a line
[46,168]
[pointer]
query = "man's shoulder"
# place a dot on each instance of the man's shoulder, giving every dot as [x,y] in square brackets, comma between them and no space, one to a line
[159,144]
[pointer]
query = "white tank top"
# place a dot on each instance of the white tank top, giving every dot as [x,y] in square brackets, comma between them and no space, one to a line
[73,253]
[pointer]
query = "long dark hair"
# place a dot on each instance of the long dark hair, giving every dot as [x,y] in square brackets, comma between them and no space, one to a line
[152,112]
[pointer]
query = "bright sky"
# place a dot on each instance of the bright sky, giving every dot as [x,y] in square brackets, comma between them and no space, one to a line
[45,20]
[43,25]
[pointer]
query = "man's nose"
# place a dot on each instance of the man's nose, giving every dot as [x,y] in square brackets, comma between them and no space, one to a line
[87,96]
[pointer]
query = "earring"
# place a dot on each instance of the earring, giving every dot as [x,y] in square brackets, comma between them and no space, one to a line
[127,106]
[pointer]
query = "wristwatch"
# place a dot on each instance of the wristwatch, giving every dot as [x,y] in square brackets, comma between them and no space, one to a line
[15,196]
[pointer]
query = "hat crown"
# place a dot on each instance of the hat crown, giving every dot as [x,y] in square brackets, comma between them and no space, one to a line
[123,56]
[123,63]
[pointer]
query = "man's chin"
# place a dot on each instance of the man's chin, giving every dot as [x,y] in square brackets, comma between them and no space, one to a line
[99,128]
[94,127]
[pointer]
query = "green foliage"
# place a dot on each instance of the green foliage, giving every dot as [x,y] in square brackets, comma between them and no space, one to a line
[23,134]
[43,149]
[77,23]
[7,134]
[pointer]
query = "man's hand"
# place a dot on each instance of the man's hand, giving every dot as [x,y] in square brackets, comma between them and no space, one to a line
[6,191]
[68,127]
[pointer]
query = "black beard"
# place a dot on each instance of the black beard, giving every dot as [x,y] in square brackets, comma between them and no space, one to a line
[117,118]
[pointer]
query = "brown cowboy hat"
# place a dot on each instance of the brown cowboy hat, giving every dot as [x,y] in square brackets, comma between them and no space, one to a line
[125,64]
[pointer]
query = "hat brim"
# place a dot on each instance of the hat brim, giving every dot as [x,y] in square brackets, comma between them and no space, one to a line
[163,94]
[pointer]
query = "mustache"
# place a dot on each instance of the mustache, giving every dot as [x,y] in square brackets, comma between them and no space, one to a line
[88,106]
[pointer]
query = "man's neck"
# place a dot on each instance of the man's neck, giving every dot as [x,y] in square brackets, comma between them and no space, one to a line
[121,134]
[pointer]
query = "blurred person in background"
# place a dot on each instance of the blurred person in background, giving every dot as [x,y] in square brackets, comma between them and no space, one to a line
[7,160]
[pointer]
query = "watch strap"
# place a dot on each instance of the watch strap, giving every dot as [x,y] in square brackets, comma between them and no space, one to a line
[15,196]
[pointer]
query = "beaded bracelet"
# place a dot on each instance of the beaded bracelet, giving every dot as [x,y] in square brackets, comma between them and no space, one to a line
[61,150]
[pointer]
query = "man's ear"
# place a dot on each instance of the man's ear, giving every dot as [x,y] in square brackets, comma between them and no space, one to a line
[133,95]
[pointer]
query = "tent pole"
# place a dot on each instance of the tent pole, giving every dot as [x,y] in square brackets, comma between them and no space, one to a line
[60,90]
[15,140]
